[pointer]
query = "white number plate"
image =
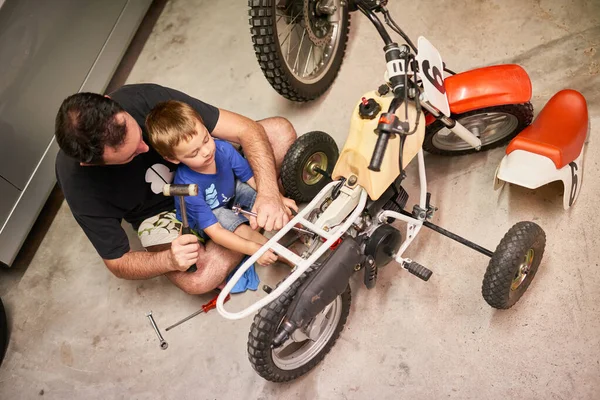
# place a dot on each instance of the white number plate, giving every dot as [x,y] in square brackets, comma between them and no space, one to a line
[431,70]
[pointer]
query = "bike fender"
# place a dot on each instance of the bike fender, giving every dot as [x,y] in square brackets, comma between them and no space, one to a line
[486,87]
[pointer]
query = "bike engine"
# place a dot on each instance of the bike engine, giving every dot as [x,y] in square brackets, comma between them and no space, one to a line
[398,201]
[382,244]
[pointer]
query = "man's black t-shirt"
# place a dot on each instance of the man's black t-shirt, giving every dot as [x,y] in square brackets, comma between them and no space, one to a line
[101,196]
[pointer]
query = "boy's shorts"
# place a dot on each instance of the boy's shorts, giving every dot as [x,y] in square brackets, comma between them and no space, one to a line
[245,197]
[164,227]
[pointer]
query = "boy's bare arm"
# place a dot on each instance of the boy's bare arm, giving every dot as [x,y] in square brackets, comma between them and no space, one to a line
[230,240]
[252,183]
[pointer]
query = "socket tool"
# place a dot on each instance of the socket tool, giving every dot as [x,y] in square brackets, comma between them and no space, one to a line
[180,191]
[237,209]
[163,344]
[205,308]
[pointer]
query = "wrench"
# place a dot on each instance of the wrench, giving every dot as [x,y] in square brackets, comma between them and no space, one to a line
[163,344]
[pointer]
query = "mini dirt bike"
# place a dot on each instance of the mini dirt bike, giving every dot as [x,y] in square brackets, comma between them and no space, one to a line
[300,46]
[348,220]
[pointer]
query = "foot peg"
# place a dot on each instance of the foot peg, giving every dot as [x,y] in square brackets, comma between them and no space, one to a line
[417,270]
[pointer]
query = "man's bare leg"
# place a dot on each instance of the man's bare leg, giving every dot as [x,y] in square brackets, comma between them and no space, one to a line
[214,264]
[281,135]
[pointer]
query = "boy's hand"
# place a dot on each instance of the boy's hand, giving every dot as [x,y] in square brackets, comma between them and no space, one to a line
[184,252]
[267,259]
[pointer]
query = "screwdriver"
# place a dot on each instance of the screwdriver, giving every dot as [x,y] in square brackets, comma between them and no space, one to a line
[205,308]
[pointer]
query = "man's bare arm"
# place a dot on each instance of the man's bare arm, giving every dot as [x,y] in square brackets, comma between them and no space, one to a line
[141,265]
[144,265]
[257,149]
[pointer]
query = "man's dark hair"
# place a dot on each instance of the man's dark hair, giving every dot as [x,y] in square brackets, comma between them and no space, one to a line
[86,123]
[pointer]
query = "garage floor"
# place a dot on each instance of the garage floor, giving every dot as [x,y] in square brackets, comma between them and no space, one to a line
[80,333]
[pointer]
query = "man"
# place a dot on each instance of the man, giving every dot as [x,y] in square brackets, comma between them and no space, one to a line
[108,173]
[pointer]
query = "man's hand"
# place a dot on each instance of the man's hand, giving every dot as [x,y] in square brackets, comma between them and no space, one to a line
[272,212]
[290,204]
[184,252]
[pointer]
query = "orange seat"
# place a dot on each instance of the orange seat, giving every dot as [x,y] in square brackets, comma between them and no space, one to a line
[559,130]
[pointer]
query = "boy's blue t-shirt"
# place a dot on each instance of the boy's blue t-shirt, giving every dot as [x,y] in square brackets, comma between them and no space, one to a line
[214,190]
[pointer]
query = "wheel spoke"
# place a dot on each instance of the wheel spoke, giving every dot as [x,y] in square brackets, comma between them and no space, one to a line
[292,25]
[307,60]
[299,48]
[316,327]
[284,346]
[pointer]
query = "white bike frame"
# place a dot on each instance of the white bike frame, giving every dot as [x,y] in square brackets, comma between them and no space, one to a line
[331,236]
[433,100]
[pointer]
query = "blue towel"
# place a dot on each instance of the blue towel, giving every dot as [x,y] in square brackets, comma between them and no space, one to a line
[249,280]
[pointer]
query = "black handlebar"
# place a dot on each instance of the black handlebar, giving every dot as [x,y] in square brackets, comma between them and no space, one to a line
[397,59]
[368,11]
[379,152]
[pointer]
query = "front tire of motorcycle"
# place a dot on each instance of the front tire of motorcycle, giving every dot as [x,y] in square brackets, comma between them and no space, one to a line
[263,21]
[496,125]
[277,365]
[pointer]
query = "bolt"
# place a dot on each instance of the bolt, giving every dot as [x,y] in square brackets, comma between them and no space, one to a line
[352,180]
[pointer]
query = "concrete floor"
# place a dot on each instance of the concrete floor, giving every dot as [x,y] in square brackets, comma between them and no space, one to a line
[80,333]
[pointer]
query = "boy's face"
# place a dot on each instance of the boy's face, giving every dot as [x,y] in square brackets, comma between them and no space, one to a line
[198,152]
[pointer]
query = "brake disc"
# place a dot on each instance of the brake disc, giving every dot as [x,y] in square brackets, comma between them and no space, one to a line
[318,27]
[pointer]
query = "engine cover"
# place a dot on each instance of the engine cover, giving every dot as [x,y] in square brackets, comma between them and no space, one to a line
[382,244]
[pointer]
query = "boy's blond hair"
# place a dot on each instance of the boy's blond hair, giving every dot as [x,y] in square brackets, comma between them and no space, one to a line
[169,123]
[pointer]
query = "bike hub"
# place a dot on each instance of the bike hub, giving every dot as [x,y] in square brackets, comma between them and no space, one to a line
[316,20]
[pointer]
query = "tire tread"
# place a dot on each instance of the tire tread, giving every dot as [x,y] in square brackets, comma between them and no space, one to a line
[266,42]
[263,329]
[508,255]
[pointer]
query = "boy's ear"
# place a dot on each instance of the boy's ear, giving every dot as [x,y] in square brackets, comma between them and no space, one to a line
[172,160]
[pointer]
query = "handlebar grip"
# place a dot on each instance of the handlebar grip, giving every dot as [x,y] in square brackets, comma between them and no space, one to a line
[379,152]
[186,230]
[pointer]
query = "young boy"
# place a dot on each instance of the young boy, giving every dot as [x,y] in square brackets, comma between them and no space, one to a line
[223,176]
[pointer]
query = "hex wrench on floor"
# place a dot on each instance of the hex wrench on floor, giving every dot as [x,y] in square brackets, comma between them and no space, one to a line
[163,344]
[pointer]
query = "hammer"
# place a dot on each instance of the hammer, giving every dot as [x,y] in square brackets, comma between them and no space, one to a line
[181,191]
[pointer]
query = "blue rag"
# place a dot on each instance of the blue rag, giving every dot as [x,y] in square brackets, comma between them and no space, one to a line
[248,281]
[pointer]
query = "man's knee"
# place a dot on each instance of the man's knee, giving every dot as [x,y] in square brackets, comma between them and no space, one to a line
[213,267]
[281,134]
[194,287]
[285,130]
[280,131]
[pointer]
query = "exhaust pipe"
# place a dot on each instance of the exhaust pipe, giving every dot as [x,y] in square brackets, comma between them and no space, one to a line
[321,288]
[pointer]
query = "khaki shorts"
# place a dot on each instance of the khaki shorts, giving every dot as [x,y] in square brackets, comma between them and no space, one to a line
[160,229]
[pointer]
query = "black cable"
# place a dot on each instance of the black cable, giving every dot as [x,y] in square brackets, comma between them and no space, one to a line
[392,24]
[449,71]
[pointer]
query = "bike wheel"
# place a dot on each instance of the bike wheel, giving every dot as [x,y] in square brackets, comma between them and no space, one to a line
[495,126]
[305,348]
[299,172]
[513,265]
[299,44]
